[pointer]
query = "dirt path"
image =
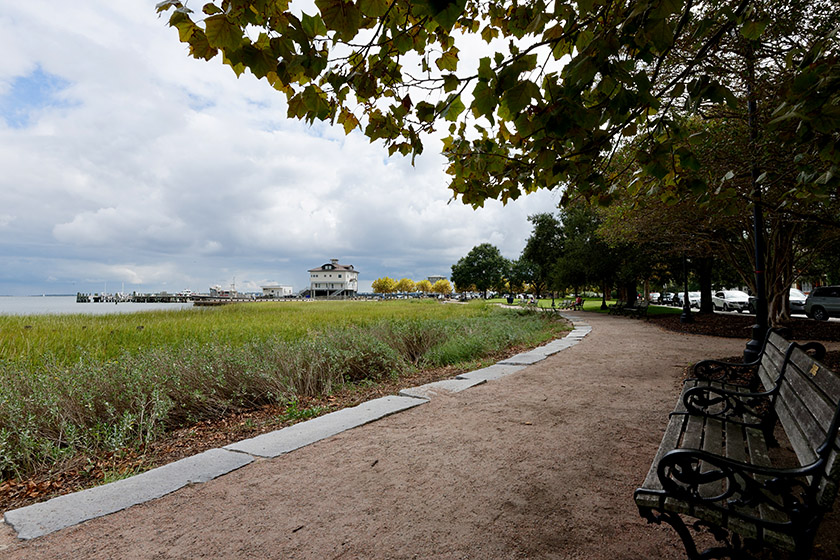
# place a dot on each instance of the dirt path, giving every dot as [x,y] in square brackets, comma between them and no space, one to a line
[540,464]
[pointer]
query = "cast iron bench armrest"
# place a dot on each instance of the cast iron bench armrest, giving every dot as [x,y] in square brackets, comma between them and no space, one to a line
[727,404]
[688,473]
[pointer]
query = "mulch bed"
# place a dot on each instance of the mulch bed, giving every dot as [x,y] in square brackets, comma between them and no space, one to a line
[740,326]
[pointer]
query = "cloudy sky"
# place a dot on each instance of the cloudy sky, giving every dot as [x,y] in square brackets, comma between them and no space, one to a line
[127,164]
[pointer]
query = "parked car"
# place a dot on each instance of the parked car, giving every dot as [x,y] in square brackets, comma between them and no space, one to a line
[654,297]
[667,298]
[796,302]
[731,300]
[694,299]
[823,302]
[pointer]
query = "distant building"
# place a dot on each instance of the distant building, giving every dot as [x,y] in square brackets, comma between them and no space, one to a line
[433,279]
[333,280]
[277,291]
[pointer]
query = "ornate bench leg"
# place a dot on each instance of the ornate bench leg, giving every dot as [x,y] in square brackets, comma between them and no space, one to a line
[733,547]
[675,521]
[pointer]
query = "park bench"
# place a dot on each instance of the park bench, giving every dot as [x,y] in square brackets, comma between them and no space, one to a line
[714,465]
[616,308]
[637,311]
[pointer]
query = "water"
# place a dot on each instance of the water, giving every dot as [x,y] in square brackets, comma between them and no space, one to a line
[64,305]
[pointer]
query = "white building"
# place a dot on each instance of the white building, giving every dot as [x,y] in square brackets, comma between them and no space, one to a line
[277,291]
[333,280]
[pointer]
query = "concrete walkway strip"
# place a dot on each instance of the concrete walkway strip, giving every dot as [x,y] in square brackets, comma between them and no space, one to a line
[43,518]
[525,358]
[430,390]
[490,373]
[299,435]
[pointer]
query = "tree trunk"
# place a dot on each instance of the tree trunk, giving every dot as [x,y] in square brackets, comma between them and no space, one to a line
[780,268]
[630,292]
[704,274]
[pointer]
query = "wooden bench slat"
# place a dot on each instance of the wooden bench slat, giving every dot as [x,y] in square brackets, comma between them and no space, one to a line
[804,430]
[827,380]
[737,451]
[712,443]
[759,455]
[673,434]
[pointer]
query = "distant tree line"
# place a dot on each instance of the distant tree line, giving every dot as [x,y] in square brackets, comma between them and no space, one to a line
[386,285]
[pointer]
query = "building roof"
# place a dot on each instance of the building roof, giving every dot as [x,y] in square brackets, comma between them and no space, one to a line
[333,265]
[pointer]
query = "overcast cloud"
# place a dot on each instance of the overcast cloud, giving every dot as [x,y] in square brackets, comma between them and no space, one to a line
[124,162]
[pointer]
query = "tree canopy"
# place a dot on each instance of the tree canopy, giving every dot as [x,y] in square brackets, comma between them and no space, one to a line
[483,267]
[384,285]
[558,89]
[442,287]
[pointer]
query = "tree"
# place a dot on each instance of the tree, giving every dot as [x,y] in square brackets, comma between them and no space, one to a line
[522,275]
[424,286]
[542,249]
[442,287]
[483,267]
[384,285]
[405,285]
[552,100]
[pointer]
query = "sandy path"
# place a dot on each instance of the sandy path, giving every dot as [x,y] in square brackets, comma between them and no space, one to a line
[540,464]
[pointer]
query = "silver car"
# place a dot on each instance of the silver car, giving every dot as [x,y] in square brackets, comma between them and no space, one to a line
[731,300]
[823,302]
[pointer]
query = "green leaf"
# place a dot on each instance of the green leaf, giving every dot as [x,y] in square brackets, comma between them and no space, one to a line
[425,111]
[373,8]
[489,33]
[211,9]
[313,26]
[519,96]
[221,33]
[752,30]
[450,13]
[484,101]
[343,17]
[450,83]
[454,107]
[449,60]
[484,70]
[166,4]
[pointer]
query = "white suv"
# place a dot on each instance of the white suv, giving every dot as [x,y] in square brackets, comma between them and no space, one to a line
[731,300]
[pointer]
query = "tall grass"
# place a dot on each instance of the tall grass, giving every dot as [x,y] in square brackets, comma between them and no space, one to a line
[91,384]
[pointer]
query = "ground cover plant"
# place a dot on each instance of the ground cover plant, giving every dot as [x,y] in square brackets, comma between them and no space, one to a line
[78,388]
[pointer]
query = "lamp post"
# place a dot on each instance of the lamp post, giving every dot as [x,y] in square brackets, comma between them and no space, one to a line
[759,330]
[686,316]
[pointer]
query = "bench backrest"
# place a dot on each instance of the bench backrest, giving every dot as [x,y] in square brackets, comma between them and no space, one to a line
[807,403]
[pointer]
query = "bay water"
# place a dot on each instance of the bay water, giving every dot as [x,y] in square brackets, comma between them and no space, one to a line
[64,305]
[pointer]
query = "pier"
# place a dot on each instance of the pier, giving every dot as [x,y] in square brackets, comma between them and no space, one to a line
[163,297]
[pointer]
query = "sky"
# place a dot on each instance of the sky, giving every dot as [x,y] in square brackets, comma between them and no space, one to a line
[126,165]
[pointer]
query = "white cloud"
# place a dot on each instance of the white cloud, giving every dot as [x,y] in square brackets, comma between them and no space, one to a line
[160,171]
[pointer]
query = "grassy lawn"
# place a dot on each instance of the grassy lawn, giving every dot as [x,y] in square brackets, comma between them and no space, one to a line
[593,304]
[84,385]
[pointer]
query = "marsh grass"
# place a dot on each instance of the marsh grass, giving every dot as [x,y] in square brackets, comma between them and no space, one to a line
[87,385]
